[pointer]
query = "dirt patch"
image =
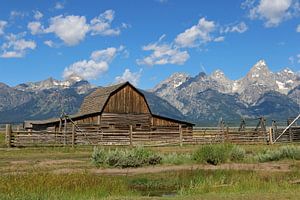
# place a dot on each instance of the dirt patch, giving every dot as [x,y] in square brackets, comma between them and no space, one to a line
[58,162]
[273,167]
[63,166]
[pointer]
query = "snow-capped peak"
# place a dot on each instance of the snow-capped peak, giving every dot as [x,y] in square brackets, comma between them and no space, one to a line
[218,74]
[49,83]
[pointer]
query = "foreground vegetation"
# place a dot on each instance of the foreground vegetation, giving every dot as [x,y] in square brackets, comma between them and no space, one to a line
[67,173]
[182,185]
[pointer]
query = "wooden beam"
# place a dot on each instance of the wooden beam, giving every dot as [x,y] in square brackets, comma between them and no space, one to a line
[130,135]
[8,134]
[73,135]
[180,135]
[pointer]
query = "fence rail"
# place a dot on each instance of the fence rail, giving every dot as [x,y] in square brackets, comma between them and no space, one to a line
[165,136]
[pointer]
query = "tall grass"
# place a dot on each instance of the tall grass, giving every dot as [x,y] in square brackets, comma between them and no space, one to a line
[283,152]
[67,186]
[187,183]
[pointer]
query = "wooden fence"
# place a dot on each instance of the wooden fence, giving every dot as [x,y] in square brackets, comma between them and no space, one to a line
[170,136]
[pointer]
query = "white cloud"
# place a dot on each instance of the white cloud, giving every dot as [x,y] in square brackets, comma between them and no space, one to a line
[163,54]
[17,14]
[71,29]
[2,26]
[219,39]
[197,34]
[101,25]
[106,55]
[239,28]
[93,68]
[298,58]
[59,6]
[297,29]
[49,43]
[132,77]
[273,12]
[86,69]
[35,27]
[16,46]
[37,15]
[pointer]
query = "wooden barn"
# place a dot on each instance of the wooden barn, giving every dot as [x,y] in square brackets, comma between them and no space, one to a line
[118,107]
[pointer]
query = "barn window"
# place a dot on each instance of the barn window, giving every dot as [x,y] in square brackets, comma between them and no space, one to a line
[111,125]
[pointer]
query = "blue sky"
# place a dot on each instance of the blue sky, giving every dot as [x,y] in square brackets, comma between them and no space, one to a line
[144,41]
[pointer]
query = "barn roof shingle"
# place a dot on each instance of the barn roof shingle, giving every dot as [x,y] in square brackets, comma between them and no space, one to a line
[95,102]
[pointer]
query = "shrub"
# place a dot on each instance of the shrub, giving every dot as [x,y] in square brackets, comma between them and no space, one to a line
[284,152]
[114,157]
[124,158]
[237,153]
[98,157]
[213,154]
[177,158]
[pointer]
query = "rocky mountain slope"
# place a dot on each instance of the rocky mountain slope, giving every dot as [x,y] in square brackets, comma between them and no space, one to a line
[206,98]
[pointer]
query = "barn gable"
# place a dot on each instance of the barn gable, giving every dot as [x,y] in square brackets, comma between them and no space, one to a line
[121,98]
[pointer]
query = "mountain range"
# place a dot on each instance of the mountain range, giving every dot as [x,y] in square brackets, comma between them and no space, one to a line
[202,99]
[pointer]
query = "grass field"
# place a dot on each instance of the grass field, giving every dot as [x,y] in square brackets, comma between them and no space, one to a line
[66,173]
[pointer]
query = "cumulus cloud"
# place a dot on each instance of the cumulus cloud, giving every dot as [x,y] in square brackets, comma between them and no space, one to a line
[37,15]
[272,12]
[132,77]
[35,27]
[297,29]
[97,65]
[106,55]
[2,26]
[101,25]
[85,69]
[16,47]
[163,54]
[239,28]
[197,34]
[72,29]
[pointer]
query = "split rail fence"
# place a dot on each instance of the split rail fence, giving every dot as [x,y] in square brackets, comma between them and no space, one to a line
[92,135]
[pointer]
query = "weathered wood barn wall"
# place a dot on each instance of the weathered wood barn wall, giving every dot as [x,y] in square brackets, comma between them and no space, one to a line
[115,108]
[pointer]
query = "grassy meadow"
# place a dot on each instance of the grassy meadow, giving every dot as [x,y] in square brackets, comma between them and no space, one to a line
[67,173]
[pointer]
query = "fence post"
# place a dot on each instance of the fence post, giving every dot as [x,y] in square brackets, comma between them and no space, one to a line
[8,134]
[270,135]
[180,135]
[290,131]
[65,132]
[73,135]
[130,135]
[227,132]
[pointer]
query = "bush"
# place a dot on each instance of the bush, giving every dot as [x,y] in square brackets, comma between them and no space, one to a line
[213,154]
[98,157]
[284,152]
[136,157]
[177,158]
[237,153]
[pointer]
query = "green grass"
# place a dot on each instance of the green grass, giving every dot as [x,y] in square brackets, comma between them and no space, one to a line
[2,140]
[183,184]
